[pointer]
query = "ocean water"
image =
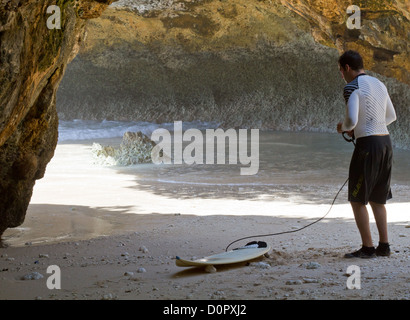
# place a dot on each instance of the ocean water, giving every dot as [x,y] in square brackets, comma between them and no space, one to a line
[77,130]
[301,167]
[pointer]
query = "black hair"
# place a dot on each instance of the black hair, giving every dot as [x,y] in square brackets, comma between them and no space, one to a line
[352,58]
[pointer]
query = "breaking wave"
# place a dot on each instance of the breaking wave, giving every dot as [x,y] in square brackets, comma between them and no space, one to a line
[74,130]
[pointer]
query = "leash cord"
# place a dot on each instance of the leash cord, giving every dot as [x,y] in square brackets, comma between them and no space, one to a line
[308,225]
[291,231]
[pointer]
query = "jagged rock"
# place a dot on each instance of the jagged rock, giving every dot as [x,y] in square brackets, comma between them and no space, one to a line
[33,60]
[135,148]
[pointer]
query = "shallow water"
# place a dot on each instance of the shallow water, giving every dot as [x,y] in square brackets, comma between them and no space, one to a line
[301,166]
[306,167]
[299,175]
[297,166]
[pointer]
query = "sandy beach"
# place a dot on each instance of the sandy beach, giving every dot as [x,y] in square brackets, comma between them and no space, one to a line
[115,238]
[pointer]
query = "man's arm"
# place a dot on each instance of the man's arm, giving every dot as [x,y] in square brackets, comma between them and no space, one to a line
[390,112]
[352,113]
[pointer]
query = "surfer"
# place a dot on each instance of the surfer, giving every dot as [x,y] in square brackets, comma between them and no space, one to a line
[369,111]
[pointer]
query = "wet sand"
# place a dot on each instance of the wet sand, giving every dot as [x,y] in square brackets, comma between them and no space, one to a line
[116,237]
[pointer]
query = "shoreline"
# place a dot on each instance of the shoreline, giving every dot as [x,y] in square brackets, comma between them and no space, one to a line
[113,239]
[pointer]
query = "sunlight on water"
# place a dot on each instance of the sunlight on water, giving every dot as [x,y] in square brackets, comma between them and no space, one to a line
[292,165]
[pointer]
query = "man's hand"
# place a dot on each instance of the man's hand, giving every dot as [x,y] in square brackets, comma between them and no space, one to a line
[339,127]
[339,130]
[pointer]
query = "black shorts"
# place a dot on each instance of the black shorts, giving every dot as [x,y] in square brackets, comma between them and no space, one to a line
[370,170]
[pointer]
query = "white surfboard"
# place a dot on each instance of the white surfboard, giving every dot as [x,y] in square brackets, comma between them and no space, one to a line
[241,254]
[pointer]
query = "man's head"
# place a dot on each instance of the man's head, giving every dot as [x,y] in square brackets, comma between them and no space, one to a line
[350,64]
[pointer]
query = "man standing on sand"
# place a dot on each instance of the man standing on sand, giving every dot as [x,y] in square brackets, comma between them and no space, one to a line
[369,111]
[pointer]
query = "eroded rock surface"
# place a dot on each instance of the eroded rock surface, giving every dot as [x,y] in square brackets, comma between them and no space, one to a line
[33,60]
[244,63]
[135,148]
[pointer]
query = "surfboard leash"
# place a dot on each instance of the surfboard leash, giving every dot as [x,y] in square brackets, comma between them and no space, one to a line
[291,231]
[308,225]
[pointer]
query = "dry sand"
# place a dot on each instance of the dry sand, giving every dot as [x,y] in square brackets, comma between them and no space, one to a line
[113,240]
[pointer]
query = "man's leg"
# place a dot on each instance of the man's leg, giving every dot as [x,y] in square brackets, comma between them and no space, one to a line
[362,221]
[380,215]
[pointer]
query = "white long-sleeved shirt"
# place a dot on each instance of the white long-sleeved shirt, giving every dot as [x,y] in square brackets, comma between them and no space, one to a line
[369,109]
